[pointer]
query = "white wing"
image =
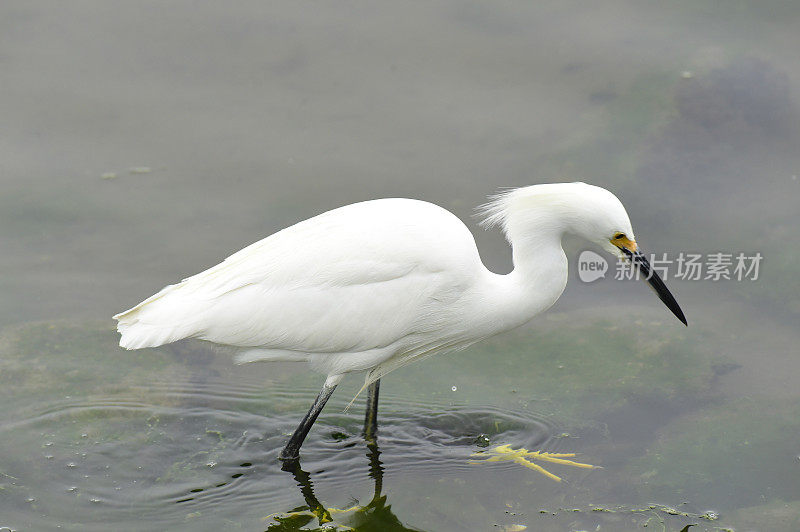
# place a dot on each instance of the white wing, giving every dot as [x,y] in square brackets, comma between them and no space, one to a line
[357,278]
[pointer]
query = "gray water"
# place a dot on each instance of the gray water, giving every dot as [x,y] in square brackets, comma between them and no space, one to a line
[143,142]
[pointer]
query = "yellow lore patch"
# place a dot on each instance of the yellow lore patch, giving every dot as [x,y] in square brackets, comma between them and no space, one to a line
[623,242]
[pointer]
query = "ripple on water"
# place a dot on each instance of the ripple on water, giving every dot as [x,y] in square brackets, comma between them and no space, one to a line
[172,450]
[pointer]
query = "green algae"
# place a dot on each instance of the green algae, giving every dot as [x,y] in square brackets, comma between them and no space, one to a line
[774,515]
[582,370]
[733,454]
[67,359]
[577,369]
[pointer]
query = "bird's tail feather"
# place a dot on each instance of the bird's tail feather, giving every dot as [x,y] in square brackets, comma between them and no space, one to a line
[158,320]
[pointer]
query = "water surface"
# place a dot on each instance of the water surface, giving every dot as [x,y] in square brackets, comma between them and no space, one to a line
[145,142]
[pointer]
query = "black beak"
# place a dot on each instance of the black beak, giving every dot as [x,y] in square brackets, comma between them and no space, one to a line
[655,282]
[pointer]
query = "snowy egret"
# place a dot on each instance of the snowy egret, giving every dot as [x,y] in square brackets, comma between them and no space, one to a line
[375,285]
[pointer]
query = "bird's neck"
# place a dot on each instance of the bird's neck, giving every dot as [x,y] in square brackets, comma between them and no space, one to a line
[540,269]
[537,281]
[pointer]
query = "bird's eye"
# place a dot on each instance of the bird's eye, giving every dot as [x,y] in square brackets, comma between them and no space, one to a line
[619,236]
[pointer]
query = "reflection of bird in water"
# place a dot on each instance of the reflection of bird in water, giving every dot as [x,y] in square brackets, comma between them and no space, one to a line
[375,515]
[375,285]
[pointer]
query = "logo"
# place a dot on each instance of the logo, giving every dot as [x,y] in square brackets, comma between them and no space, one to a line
[717,266]
[591,266]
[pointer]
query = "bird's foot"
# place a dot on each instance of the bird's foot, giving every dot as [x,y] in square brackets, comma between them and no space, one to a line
[322,514]
[523,456]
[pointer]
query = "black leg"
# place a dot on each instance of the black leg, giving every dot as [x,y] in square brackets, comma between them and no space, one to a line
[371,416]
[292,449]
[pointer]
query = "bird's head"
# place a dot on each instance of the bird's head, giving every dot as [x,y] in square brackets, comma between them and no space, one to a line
[600,217]
[585,210]
[597,215]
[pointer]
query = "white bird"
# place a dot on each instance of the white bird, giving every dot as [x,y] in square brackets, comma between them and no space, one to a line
[375,285]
